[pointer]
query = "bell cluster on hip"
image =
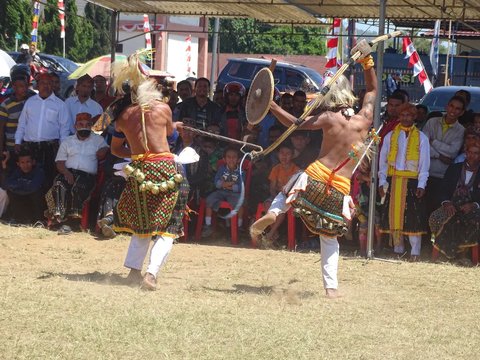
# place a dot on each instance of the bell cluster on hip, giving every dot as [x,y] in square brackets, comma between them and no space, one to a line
[154,188]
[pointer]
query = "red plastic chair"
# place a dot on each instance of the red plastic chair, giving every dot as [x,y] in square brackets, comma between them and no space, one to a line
[291,226]
[475,253]
[247,167]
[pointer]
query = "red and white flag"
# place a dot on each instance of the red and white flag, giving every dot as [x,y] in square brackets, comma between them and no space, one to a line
[415,62]
[146,30]
[332,46]
[61,16]
[188,54]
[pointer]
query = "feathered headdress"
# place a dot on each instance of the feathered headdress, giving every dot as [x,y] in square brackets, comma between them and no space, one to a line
[142,89]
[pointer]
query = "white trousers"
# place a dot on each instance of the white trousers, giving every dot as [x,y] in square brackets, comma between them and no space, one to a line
[279,204]
[138,249]
[330,251]
[415,242]
[3,201]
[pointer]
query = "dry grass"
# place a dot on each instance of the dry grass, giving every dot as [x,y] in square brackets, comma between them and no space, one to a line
[64,298]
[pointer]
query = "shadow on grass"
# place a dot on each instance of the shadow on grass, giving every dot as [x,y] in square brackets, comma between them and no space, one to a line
[96,277]
[260,290]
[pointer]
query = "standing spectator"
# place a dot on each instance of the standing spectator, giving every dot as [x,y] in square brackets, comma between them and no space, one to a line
[56,85]
[101,93]
[219,98]
[393,83]
[299,103]
[286,102]
[304,152]
[232,118]
[402,179]
[82,103]
[25,191]
[184,90]
[199,111]
[446,138]
[44,122]
[11,109]
[422,116]
[77,162]
[466,119]
[390,118]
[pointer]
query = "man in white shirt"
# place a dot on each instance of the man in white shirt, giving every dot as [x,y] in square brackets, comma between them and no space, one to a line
[402,179]
[82,103]
[77,162]
[44,122]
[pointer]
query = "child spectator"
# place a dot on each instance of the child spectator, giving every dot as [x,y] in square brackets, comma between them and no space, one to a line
[228,183]
[25,190]
[279,176]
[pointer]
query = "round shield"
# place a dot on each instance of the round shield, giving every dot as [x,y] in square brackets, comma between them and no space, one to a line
[259,96]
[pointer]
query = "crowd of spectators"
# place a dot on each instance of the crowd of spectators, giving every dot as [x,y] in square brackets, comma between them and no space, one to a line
[52,162]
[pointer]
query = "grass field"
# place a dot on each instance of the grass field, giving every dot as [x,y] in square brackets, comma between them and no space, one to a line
[64,297]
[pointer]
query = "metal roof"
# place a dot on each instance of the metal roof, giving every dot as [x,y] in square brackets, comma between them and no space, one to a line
[302,11]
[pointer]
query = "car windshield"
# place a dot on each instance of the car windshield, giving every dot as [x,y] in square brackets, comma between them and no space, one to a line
[315,76]
[66,64]
[437,99]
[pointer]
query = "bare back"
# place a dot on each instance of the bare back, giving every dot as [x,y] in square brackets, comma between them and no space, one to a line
[341,137]
[158,125]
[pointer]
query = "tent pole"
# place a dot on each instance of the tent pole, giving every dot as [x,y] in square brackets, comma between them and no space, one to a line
[376,124]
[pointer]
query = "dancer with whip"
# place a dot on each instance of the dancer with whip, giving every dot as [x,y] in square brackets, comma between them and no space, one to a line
[320,194]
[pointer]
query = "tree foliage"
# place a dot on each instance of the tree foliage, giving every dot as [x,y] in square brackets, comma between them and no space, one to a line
[99,17]
[15,18]
[245,36]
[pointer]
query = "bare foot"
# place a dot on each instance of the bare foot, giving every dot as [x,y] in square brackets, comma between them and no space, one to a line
[414,258]
[332,293]
[134,277]
[149,282]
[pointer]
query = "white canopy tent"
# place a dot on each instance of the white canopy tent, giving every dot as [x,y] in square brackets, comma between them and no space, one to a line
[308,13]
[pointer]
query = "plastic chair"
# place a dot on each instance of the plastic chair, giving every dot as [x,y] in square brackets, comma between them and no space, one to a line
[291,226]
[247,167]
[475,253]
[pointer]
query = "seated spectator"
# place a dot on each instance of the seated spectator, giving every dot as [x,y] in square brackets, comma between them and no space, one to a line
[299,103]
[476,122]
[455,225]
[279,176]
[304,153]
[470,133]
[361,200]
[228,183]
[24,185]
[3,193]
[110,194]
[77,161]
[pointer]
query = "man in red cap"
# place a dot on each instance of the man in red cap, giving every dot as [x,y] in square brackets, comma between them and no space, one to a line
[76,161]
